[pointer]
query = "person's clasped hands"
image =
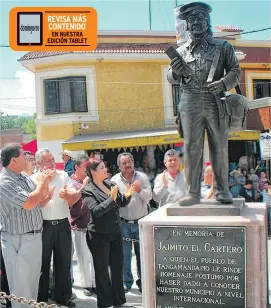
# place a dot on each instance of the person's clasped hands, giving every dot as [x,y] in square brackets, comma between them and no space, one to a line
[114,192]
[63,192]
[46,176]
[131,189]
[44,179]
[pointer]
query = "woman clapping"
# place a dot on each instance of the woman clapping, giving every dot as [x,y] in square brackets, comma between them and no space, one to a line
[104,236]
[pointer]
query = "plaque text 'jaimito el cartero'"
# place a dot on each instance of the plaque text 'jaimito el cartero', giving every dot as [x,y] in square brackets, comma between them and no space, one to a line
[198,267]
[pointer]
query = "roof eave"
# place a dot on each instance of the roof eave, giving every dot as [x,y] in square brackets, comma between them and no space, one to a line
[100,57]
[97,57]
[28,66]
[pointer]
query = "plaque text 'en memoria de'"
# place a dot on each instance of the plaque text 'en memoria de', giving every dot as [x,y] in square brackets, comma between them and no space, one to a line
[200,267]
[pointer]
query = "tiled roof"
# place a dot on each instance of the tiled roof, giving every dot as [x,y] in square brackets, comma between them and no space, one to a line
[253,54]
[228,28]
[104,48]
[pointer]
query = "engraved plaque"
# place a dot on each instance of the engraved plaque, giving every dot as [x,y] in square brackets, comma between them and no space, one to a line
[198,267]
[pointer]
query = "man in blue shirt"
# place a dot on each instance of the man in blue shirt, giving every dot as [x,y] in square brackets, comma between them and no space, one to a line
[236,183]
[69,165]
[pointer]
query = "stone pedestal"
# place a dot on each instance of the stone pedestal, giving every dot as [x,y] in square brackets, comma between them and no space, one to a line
[205,256]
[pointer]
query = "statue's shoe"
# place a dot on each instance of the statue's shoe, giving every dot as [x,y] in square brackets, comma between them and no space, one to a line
[224,198]
[188,201]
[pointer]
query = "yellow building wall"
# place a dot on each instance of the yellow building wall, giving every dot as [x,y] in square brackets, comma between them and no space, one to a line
[129,97]
[55,132]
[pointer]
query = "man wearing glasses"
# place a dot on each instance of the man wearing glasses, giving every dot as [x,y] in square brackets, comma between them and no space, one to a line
[30,163]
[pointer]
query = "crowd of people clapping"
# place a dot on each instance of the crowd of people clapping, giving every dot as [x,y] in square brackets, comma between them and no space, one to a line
[47,214]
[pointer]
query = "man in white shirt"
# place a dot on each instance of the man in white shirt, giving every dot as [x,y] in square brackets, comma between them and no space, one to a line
[170,186]
[130,214]
[56,235]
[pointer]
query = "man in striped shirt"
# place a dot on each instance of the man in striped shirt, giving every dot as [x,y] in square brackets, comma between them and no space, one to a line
[21,223]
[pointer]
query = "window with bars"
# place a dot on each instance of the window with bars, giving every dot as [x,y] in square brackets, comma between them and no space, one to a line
[65,95]
[176,95]
[262,88]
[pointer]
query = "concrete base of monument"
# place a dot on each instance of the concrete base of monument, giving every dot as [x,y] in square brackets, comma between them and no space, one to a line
[207,207]
[193,260]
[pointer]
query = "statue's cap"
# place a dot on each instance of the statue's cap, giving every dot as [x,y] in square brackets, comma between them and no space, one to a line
[187,8]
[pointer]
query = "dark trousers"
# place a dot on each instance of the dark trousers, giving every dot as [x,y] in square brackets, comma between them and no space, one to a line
[199,113]
[4,280]
[107,252]
[56,239]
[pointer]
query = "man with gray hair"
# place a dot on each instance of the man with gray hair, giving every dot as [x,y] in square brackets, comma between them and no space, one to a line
[56,235]
[136,209]
[170,186]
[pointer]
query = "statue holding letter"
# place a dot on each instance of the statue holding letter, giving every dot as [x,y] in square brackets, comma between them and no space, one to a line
[206,68]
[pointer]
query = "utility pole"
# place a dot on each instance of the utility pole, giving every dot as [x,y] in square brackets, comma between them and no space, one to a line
[150,14]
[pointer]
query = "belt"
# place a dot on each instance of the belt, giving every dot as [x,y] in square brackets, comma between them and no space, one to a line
[34,232]
[54,222]
[130,221]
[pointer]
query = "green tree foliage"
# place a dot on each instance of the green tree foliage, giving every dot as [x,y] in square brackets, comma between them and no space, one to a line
[30,128]
[27,124]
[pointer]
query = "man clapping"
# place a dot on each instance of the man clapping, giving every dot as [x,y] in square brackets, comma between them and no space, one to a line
[56,235]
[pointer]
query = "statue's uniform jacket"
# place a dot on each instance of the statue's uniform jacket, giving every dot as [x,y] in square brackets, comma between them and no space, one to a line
[199,110]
